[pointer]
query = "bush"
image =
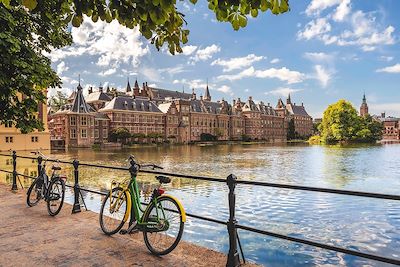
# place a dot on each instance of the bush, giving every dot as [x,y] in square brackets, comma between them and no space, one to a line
[207,137]
[314,140]
[246,138]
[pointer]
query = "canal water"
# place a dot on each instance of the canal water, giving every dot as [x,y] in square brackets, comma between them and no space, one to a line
[358,223]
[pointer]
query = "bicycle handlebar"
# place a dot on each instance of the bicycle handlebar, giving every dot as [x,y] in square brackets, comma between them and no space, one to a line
[153,166]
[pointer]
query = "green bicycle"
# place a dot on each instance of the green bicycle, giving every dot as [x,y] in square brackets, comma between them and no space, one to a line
[161,222]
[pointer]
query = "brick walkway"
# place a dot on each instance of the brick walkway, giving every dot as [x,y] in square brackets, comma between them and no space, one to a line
[30,237]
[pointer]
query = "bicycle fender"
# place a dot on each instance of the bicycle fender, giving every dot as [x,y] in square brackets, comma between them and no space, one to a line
[180,206]
[129,206]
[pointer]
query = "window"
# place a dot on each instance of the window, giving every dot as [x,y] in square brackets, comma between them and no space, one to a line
[9,139]
[72,121]
[83,133]
[73,133]
[96,122]
[96,133]
[83,121]
[8,124]
[34,139]
[104,133]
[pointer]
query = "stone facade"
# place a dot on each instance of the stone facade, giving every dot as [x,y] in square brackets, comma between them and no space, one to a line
[12,139]
[176,116]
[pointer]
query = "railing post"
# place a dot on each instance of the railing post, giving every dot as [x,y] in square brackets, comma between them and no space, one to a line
[14,178]
[233,255]
[77,206]
[133,170]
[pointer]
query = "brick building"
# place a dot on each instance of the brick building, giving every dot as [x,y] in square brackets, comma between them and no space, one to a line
[176,116]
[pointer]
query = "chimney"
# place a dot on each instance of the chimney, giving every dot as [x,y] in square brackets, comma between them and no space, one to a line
[234,102]
[90,90]
[201,98]
[268,104]
[302,104]
[250,98]
[383,115]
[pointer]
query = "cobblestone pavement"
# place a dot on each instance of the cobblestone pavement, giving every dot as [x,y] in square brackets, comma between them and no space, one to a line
[30,237]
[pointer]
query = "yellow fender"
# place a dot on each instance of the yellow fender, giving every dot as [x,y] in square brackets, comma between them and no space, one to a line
[129,205]
[179,205]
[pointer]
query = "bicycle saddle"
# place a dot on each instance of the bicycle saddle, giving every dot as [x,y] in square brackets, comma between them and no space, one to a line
[163,179]
[56,168]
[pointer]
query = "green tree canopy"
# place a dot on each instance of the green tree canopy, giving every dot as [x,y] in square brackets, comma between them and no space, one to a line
[341,123]
[31,27]
[58,100]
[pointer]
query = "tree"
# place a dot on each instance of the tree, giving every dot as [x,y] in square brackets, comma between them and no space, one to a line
[341,123]
[291,131]
[119,134]
[58,100]
[30,27]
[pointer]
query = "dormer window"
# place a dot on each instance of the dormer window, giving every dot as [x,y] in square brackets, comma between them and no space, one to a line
[133,105]
[126,105]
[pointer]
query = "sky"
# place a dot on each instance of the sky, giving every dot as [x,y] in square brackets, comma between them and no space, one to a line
[319,52]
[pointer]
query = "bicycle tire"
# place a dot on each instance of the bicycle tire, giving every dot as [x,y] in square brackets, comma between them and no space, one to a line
[51,195]
[170,241]
[37,199]
[105,215]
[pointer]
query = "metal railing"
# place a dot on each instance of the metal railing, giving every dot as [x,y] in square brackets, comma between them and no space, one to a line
[232,224]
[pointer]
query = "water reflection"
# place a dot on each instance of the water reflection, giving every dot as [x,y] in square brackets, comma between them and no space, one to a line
[359,223]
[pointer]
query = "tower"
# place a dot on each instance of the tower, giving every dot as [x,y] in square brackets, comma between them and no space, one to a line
[288,100]
[128,87]
[364,107]
[207,96]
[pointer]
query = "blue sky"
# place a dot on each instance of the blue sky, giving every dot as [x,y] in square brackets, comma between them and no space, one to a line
[320,51]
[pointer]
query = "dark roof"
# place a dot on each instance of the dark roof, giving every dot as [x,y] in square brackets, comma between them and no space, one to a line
[266,109]
[133,104]
[163,93]
[205,106]
[296,110]
[250,105]
[97,96]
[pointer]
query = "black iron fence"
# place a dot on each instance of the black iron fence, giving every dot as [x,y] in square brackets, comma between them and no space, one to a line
[232,224]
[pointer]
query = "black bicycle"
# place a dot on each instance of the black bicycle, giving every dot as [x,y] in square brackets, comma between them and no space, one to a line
[51,190]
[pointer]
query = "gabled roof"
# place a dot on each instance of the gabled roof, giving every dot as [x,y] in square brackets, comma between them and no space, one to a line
[164,107]
[296,110]
[97,96]
[250,106]
[132,104]
[163,93]
[266,109]
[205,106]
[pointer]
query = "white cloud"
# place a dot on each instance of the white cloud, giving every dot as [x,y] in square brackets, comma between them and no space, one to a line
[237,62]
[174,70]
[108,72]
[390,69]
[391,109]
[283,74]
[314,28]
[282,91]
[360,29]
[319,56]
[275,60]
[111,42]
[206,53]
[224,89]
[322,75]
[386,58]
[188,49]
[61,67]
[196,83]
[342,10]
[151,74]
[316,6]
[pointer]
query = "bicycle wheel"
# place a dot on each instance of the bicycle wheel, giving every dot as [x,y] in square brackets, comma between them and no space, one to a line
[34,194]
[163,232]
[55,198]
[113,210]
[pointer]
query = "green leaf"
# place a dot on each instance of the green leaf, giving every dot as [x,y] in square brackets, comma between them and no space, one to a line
[6,3]
[77,21]
[30,4]
[254,13]
[242,21]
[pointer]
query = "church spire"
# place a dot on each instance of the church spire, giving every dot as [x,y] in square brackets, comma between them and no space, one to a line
[207,95]
[128,87]
[364,107]
[289,101]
